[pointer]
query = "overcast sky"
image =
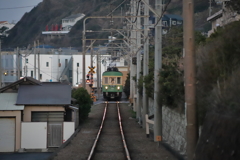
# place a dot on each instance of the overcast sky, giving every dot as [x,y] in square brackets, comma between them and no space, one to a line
[13,10]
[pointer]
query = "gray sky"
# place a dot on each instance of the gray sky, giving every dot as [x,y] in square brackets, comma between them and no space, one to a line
[13,10]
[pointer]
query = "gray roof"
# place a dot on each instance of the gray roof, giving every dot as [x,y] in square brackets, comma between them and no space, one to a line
[73,16]
[8,101]
[49,93]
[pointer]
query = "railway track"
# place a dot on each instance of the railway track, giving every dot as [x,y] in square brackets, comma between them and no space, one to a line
[110,141]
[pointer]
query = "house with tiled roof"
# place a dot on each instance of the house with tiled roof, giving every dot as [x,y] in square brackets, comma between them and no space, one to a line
[36,115]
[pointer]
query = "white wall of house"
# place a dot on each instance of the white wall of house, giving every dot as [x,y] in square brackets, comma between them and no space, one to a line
[34,135]
[68,130]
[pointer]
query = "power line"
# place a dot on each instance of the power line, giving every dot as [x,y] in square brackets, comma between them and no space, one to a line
[16,7]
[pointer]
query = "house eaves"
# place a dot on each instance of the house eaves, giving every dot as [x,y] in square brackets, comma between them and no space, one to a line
[215,15]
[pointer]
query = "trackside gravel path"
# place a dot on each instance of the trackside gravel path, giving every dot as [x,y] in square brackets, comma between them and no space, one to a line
[140,147]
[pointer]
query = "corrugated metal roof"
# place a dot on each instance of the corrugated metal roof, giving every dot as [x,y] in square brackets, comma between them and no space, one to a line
[8,101]
[49,93]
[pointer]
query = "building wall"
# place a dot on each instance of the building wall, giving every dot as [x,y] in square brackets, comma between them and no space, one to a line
[173,127]
[17,115]
[51,66]
[28,111]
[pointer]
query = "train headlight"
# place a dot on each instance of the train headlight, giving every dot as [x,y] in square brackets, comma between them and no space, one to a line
[118,87]
[106,87]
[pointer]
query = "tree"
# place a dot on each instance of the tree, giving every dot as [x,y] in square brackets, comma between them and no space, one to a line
[84,102]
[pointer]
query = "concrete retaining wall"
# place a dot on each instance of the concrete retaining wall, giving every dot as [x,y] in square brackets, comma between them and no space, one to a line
[174,128]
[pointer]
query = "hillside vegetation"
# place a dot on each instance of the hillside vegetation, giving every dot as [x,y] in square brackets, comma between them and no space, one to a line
[49,12]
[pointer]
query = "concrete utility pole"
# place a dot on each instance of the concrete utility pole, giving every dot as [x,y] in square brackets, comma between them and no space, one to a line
[133,51]
[84,53]
[138,41]
[189,74]
[0,63]
[35,60]
[145,61]
[157,68]
[39,62]
[98,75]
[18,64]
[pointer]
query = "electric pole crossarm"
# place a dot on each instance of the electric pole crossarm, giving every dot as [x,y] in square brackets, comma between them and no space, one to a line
[126,38]
[150,8]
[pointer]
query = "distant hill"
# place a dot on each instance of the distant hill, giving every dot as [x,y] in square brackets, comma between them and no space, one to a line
[49,12]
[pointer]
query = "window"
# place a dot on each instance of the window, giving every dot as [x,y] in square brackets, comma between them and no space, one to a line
[106,80]
[112,80]
[47,64]
[118,80]
[26,60]
[12,73]
[66,62]
[77,64]
[31,73]
[40,76]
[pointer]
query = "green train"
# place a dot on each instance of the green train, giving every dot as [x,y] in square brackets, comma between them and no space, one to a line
[112,85]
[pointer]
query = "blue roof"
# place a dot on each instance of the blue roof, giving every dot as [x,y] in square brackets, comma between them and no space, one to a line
[174,16]
[45,46]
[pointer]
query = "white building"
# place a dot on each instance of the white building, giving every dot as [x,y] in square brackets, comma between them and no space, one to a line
[66,26]
[5,27]
[70,21]
[59,66]
[54,65]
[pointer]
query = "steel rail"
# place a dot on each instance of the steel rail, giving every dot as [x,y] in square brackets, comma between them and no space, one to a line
[122,134]
[99,132]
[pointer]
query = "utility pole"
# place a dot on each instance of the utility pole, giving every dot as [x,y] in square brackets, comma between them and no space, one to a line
[133,51]
[0,63]
[138,41]
[35,60]
[18,64]
[210,8]
[38,62]
[98,75]
[145,61]
[189,74]
[84,53]
[157,68]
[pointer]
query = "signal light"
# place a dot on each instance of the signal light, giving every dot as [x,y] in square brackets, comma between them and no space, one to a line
[5,73]
[88,80]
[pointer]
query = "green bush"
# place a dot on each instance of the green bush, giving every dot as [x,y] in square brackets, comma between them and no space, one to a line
[84,102]
[126,88]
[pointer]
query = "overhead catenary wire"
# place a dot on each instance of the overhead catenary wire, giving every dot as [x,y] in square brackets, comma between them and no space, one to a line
[16,7]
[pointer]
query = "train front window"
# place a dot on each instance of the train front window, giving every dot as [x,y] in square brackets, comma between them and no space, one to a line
[106,80]
[118,80]
[112,80]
